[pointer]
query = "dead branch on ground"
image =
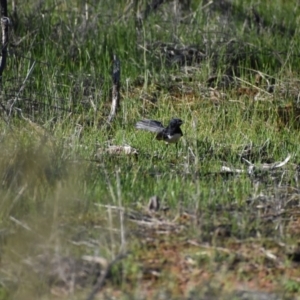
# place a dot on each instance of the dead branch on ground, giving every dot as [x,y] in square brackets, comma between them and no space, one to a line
[258,168]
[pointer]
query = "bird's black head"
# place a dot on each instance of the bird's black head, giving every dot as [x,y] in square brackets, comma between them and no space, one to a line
[176,122]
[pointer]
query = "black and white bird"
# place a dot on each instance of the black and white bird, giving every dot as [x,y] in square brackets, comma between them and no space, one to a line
[170,134]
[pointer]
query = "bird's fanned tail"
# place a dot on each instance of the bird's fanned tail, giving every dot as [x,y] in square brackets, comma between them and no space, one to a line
[150,125]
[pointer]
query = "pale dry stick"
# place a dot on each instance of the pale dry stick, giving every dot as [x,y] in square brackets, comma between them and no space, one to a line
[17,197]
[105,228]
[263,167]
[229,170]
[4,25]
[110,206]
[23,225]
[123,242]
[271,166]
[193,154]
[5,22]
[109,210]
[14,6]
[116,77]
[220,249]
[82,243]
[86,9]
[176,18]
[21,88]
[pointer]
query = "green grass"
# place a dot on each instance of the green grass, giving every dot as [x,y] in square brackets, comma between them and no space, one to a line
[53,187]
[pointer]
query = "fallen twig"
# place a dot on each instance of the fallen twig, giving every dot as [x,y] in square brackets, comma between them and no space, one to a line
[252,167]
[23,225]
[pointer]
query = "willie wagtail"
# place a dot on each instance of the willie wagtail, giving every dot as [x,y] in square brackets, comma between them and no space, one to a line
[170,134]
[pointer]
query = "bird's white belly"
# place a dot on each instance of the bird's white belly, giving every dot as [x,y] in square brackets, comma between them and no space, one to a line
[174,138]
